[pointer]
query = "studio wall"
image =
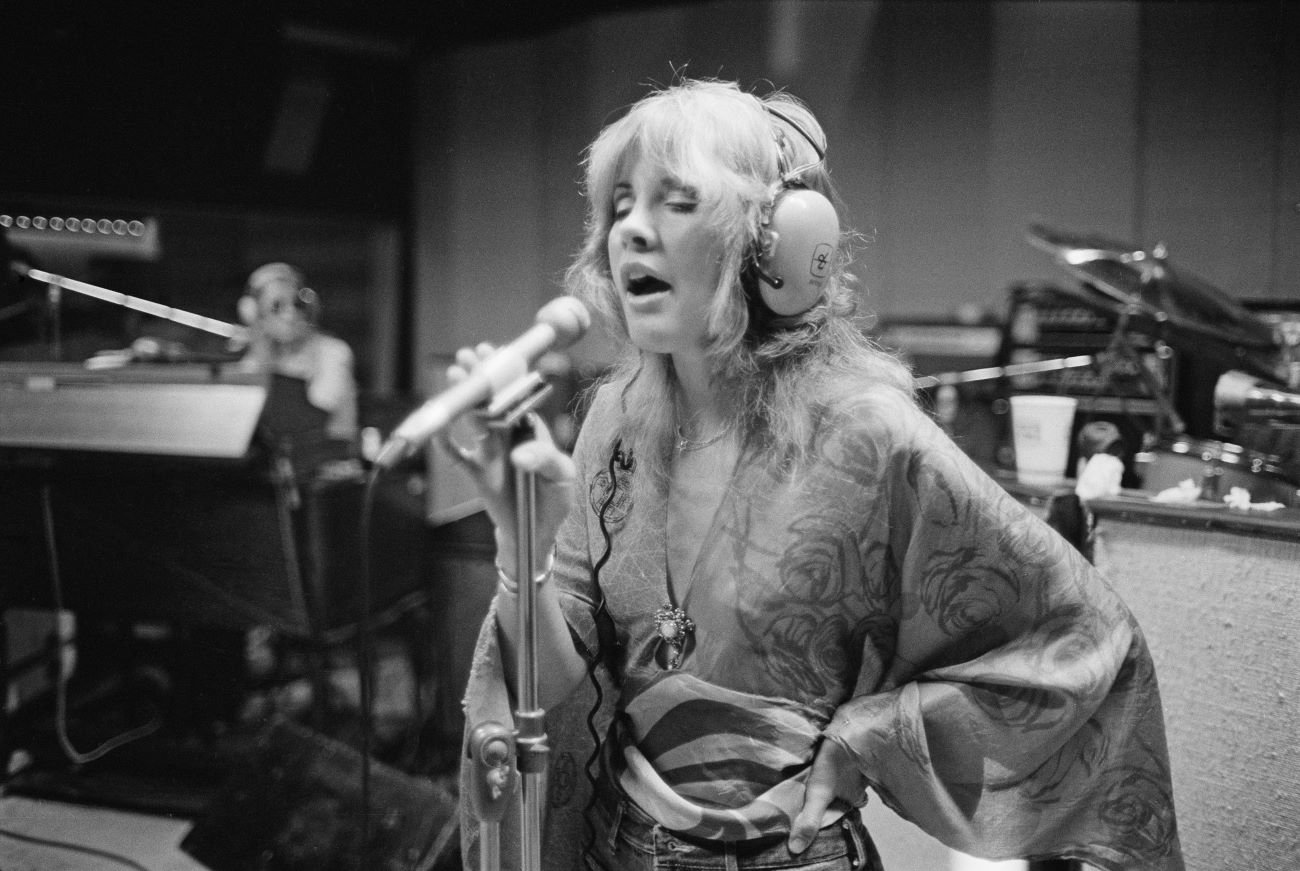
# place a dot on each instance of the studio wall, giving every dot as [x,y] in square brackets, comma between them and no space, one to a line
[953,126]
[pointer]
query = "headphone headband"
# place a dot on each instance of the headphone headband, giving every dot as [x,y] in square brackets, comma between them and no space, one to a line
[788,176]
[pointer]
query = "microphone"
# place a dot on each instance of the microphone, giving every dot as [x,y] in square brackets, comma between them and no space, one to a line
[17,265]
[1237,392]
[559,323]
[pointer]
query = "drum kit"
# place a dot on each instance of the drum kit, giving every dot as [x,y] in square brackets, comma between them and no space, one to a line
[1257,392]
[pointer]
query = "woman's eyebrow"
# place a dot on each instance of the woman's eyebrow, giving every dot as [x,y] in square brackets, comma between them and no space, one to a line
[681,187]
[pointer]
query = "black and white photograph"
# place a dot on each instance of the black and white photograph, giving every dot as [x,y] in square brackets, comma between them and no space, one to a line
[637,435]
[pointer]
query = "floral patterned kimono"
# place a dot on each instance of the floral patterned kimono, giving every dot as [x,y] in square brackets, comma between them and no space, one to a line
[989,684]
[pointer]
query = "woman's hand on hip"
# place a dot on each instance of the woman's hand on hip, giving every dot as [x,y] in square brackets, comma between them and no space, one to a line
[834,775]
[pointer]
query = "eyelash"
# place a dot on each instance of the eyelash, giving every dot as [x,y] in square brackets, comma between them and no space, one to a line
[684,207]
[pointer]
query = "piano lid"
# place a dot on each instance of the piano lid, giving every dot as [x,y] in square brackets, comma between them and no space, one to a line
[178,411]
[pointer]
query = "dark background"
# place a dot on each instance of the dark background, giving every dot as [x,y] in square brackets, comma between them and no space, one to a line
[168,102]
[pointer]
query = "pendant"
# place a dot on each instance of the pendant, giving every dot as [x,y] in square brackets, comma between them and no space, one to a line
[674,628]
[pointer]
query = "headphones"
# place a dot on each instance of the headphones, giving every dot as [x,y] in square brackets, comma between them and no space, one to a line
[305,299]
[798,235]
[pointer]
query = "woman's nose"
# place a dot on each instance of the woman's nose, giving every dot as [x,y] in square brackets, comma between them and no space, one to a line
[636,229]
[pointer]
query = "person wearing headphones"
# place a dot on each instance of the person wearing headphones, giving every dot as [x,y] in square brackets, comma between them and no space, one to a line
[281,313]
[789,583]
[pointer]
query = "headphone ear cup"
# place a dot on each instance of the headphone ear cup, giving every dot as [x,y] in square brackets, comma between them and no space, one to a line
[247,309]
[797,251]
[309,302]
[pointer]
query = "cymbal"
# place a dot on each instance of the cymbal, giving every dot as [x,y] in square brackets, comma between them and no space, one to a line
[1112,272]
[1189,313]
[1193,304]
[1063,243]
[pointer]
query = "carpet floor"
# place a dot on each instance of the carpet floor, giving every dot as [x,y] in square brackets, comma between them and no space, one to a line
[41,835]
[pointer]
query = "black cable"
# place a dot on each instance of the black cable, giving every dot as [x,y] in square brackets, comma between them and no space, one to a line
[365,647]
[62,675]
[597,757]
[125,861]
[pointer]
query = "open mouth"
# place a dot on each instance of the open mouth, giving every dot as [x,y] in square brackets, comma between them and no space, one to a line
[645,285]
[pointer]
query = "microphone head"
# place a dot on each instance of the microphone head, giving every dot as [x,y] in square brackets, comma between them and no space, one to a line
[1233,389]
[568,317]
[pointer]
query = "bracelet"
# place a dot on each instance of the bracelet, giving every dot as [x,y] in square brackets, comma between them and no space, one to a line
[511,586]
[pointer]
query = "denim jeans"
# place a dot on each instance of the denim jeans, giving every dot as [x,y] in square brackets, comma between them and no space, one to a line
[628,840]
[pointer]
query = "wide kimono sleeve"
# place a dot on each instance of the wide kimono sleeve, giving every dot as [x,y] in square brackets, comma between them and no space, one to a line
[565,786]
[1019,715]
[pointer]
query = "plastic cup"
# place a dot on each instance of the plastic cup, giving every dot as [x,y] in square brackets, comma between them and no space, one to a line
[1041,427]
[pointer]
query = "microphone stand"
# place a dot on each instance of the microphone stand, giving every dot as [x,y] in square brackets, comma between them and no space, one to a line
[492,748]
[58,283]
[1121,357]
[1011,370]
[510,411]
[54,315]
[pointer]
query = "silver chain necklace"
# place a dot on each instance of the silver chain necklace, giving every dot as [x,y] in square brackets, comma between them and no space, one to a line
[686,443]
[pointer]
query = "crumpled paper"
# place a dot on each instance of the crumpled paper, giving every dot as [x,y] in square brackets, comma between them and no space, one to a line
[1100,477]
[1238,498]
[1187,491]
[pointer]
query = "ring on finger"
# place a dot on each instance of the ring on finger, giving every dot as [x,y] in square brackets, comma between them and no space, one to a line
[464,454]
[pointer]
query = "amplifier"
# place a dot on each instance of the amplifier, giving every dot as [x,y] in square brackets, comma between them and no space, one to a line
[1046,322]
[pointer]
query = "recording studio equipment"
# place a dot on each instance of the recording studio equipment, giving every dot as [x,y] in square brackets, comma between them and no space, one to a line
[559,323]
[177,411]
[118,508]
[124,237]
[1047,321]
[1129,378]
[178,493]
[799,234]
[1216,340]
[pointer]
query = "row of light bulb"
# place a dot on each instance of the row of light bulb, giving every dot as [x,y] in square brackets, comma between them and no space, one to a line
[101,226]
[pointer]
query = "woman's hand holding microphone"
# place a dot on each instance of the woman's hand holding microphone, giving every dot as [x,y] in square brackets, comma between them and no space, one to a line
[485,453]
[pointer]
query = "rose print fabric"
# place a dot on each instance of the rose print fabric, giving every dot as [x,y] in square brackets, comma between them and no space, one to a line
[987,681]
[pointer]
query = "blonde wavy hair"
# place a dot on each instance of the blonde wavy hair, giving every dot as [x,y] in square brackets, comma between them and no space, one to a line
[777,375]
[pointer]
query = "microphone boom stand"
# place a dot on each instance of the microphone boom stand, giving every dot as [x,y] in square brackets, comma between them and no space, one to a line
[58,283]
[510,411]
